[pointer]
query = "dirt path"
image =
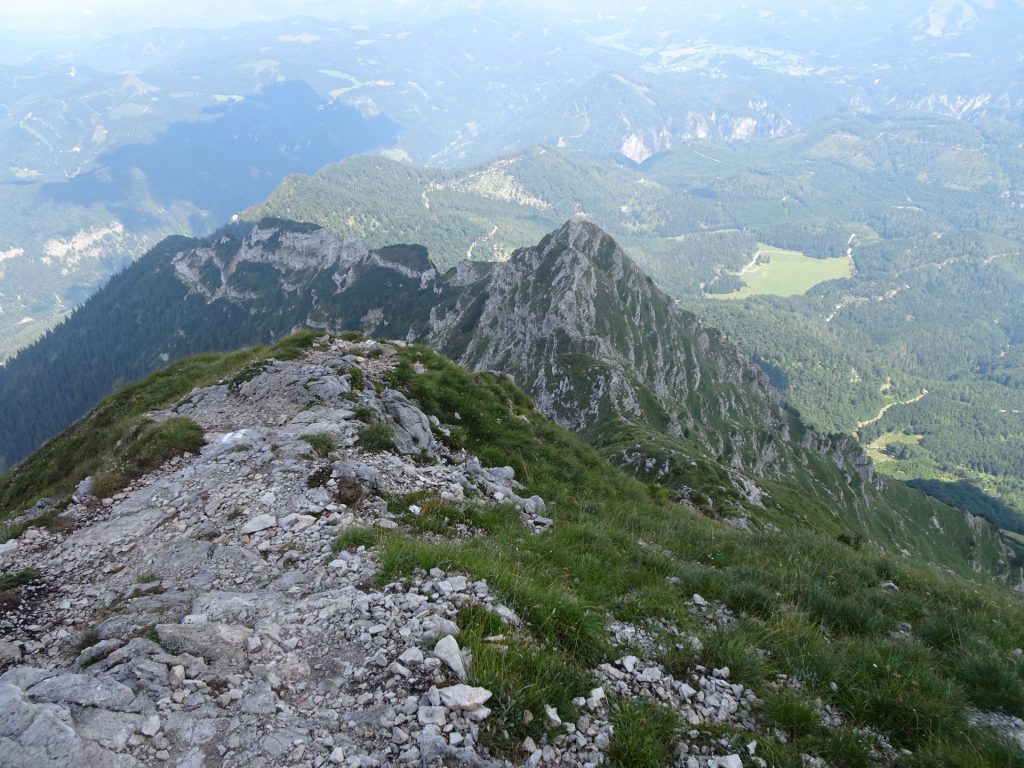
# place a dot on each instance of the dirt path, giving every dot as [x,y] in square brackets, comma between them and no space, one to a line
[885,409]
[484,239]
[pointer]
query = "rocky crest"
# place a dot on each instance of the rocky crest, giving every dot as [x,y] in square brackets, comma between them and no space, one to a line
[206,615]
[580,327]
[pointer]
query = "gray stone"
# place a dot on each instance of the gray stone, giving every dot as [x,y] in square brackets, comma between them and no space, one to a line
[16,711]
[507,615]
[464,697]
[412,656]
[119,627]
[410,426]
[108,729]
[25,677]
[551,716]
[447,650]
[84,690]
[434,750]
[431,715]
[213,642]
[9,652]
[94,653]
[50,738]
[84,488]
[435,627]
[150,726]
[262,703]
[650,675]
[328,388]
[258,523]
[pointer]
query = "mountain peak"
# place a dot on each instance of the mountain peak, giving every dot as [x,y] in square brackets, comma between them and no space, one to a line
[589,241]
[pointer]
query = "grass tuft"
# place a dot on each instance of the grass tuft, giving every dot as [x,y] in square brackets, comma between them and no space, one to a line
[353,538]
[321,442]
[791,712]
[645,735]
[376,437]
[147,448]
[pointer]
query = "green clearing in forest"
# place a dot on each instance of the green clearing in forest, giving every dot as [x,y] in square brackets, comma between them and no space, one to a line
[778,272]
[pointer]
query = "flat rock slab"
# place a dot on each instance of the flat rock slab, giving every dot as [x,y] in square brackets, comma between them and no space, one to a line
[214,642]
[84,690]
[464,697]
[258,523]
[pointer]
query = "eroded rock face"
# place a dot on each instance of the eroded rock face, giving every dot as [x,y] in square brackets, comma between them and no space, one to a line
[587,334]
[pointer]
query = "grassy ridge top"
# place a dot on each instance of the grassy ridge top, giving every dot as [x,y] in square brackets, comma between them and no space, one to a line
[896,647]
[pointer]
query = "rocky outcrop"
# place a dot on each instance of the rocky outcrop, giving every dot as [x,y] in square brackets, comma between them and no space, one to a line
[572,320]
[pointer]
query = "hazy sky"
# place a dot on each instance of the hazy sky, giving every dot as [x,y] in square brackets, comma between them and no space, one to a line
[105,16]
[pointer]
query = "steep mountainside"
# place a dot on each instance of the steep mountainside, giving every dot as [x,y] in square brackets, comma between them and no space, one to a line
[572,320]
[323,553]
[576,323]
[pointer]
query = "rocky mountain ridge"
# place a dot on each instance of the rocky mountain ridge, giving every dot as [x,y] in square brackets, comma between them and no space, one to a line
[572,320]
[576,300]
[208,615]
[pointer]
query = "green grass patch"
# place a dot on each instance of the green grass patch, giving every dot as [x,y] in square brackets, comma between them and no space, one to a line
[791,712]
[147,448]
[355,537]
[17,578]
[356,379]
[321,442]
[644,737]
[522,676]
[376,437]
[11,584]
[440,517]
[990,681]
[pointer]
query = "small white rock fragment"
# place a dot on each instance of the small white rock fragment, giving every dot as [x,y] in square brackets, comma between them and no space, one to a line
[464,697]
[447,650]
[258,523]
[551,716]
[150,726]
[411,656]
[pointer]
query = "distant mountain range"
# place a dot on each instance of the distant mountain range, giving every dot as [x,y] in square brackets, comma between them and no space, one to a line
[114,144]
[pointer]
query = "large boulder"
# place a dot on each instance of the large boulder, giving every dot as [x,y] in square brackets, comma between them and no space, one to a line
[411,427]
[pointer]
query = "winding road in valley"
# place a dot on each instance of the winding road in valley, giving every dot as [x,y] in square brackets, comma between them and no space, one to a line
[885,409]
